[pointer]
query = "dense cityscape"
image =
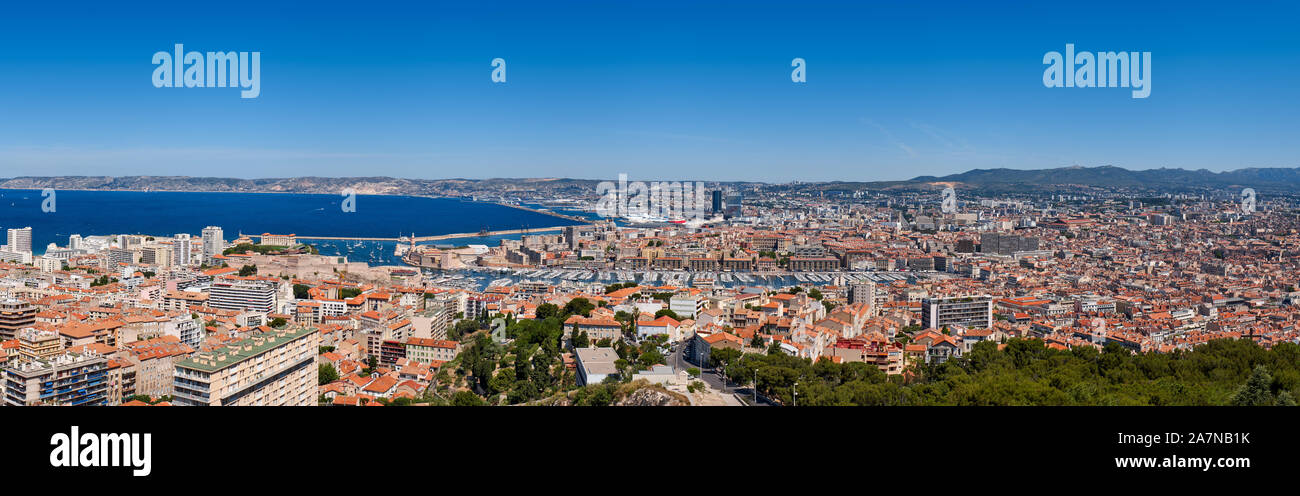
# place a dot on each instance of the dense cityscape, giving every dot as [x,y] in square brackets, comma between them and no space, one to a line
[795,294]
[1064,238]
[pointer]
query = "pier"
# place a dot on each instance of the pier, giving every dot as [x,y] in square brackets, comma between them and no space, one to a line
[441,237]
[419,239]
[548,212]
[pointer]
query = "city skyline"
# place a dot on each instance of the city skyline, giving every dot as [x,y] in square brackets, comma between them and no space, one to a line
[804,212]
[679,91]
[877,283]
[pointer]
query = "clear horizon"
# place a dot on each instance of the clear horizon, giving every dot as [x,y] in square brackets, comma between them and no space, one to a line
[681,91]
[572,178]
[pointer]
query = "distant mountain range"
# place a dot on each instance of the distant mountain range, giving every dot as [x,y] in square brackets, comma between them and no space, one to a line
[1262,179]
[320,185]
[1110,176]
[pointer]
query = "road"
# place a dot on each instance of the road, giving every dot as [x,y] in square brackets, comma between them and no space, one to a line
[713,377]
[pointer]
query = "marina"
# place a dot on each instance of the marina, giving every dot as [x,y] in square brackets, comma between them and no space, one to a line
[479,279]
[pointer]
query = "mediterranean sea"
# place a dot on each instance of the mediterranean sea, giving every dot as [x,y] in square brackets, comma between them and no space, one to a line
[100,213]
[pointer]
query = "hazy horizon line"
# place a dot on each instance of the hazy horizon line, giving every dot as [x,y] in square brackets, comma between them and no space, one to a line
[558,178]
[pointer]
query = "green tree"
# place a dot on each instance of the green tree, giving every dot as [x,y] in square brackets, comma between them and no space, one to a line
[671,314]
[462,329]
[327,374]
[547,310]
[651,358]
[466,398]
[1257,391]
[371,364]
[580,339]
[664,297]
[579,306]
[720,357]
[403,401]
[502,381]
[603,395]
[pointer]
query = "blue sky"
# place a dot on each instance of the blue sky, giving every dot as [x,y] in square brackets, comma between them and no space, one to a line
[662,90]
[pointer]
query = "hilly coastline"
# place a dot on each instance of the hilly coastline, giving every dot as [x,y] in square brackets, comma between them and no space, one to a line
[1110,177]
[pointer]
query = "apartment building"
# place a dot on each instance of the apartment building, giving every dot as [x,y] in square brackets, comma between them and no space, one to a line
[72,379]
[737,264]
[20,240]
[188,331]
[972,312]
[121,381]
[183,300]
[34,344]
[390,351]
[154,361]
[47,264]
[686,305]
[596,328]
[181,249]
[1006,244]
[213,243]
[595,364]
[887,356]
[814,264]
[663,325]
[427,350]
[15,314]
[477,306]
[158,255]
[436,320]
[267,368]
[243,294]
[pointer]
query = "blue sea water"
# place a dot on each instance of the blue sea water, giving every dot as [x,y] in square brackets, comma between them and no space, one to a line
[90,213]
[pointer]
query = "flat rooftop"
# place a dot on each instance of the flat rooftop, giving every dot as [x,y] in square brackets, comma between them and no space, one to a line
[597,360]
[238,351]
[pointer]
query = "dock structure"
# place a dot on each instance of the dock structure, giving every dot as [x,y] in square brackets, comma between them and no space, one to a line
[419,239]
[482,233]
[548,212]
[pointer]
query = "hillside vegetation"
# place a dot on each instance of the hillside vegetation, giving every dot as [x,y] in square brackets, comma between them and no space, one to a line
[1025,372]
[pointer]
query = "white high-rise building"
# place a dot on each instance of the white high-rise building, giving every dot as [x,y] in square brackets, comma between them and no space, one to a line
[213,242]
[181,249]
[20,240]
[74,241]
[243,294]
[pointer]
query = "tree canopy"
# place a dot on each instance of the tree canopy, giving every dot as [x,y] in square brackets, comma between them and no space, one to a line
[579,306]
[1026,372]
